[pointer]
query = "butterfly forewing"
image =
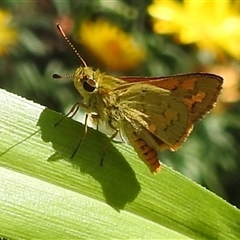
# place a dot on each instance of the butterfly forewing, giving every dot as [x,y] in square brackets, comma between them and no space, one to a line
[199,91]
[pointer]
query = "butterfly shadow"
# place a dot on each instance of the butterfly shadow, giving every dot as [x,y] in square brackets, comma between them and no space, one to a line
[118,180]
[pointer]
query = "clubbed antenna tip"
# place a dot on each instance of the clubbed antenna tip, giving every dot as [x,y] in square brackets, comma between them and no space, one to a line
[56,76]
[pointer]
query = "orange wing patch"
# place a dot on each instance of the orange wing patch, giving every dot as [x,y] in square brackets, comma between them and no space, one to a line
[147,154]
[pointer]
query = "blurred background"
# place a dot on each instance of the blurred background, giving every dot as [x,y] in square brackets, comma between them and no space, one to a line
[124,37]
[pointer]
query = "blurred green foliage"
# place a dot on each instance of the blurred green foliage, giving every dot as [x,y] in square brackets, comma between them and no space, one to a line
[211,154]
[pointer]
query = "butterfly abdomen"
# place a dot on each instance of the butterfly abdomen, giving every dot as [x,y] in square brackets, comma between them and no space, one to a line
[146,153]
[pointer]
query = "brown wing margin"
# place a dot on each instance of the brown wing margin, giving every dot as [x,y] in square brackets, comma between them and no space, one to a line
[144,79]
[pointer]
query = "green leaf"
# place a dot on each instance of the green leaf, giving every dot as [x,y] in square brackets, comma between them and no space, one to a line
[45,194]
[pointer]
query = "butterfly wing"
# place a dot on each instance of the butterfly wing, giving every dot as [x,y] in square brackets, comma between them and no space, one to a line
[198,91]
[159,111]
[154,119]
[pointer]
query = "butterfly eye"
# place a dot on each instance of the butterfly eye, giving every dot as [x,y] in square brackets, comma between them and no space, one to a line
[89,85]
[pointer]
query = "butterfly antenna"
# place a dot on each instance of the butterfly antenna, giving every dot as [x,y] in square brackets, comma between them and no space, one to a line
[59,76]
[70,44]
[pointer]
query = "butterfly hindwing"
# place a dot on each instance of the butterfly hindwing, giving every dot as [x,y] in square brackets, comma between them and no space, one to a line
[159,111]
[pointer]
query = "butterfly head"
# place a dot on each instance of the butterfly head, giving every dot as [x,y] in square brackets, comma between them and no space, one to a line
[84,81]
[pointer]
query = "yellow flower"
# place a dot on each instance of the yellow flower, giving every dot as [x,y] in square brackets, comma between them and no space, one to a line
[8,35]
[212,25]
[114,48]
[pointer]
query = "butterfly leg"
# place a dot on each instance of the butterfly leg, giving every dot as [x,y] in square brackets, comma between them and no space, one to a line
[85,133]
[95,118]
[105,148]
[70,114]
[122,138]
